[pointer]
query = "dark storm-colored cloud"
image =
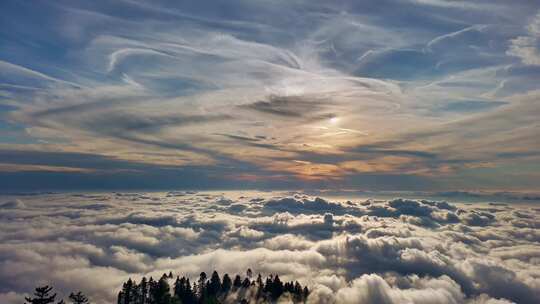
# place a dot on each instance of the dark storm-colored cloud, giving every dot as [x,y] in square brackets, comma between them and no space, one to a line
[118,123]
[382,150]
[289,106]
[306,206]
[68,159]
[109,172]
[14,204]
[128,126]
[518,154]
[364,152]
[257,142]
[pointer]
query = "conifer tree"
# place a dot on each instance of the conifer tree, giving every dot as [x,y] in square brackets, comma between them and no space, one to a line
[259,280]
[214,286]
[78,298]
[179,286]
[143,291]
[150,290]
[226,284]
[120,298]
[260,286]
[202,284]
[183,292]
[190,297]
[127,292]
[237,283]
[42,296]
[161,292]
[268,285]
[306,293]
[194,289]
[277,288]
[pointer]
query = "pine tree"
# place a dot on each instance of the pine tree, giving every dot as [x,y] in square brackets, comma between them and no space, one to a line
[42,296]
[260,286]
[183,292]
[135,293]
[277,288]
[202,284]
[237,283]
[194,289]
[259,280]
[120,298]
[78,298]
[143,291]
[226,284]
[297,288]
[161,292]
[214,286]
[306,293]
[190,297]
[126,295]
[268,285]
[179,287]
[152,286]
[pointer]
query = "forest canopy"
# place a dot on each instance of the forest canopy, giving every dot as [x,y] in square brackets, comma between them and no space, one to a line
[204,290]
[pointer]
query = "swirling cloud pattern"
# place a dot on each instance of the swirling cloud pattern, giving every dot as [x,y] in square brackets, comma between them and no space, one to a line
[391,95]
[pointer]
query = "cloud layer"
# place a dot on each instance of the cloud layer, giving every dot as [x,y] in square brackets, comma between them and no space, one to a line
[350,251]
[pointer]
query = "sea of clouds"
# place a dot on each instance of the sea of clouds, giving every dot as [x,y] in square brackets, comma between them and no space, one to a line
[357,251]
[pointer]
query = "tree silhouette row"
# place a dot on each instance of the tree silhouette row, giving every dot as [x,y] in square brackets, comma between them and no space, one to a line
[44,295]
[211,291]
[215,290]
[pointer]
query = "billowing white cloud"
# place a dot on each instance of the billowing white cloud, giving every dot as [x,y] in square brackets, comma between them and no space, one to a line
[383,251]
[527,48]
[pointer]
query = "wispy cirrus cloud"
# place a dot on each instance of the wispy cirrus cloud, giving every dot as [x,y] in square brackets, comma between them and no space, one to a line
[266,87]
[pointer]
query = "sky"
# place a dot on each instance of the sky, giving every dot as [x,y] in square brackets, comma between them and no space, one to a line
[417,95]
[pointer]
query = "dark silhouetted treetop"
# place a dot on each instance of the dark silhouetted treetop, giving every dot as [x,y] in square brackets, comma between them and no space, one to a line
[212,291]
[206,291]
[78,298]
[42,295]
[226,285]
[237,283]
[160,292]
